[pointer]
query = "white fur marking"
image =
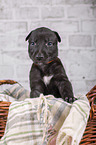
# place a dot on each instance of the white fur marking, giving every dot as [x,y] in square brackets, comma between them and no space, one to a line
[47,79]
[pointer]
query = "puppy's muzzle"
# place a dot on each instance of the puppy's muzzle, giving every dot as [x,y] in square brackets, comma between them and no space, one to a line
[39,57]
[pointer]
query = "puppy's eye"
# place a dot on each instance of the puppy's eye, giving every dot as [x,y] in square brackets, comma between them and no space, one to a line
[33,43]
[49,44]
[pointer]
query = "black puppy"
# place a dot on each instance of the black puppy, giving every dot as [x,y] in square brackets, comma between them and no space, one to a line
[47,74]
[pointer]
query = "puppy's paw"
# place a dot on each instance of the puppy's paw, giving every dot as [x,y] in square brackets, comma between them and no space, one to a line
[34,94]
[71,99]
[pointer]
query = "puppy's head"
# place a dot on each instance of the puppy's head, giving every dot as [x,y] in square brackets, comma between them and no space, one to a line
[43,45]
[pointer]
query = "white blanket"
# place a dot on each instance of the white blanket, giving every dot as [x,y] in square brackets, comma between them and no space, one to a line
[46,121]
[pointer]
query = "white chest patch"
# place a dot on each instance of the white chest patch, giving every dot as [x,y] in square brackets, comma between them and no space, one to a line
[47,79]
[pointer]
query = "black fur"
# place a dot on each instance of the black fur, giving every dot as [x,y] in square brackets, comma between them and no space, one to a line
[43,50]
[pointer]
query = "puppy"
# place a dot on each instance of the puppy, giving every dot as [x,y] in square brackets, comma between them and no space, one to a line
[47,74]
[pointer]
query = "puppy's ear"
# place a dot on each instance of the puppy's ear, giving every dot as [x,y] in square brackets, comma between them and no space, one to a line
[28,36]
[58,37]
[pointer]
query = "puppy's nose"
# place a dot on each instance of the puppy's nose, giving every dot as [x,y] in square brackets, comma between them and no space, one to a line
[39,58]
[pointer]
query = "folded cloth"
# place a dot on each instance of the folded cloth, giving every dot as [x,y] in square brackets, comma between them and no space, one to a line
[30,122]
[46,120]
[6,98]
[73,127]
[15,92]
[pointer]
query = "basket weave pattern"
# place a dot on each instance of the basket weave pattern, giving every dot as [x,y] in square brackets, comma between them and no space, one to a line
[4,108]
[89,136]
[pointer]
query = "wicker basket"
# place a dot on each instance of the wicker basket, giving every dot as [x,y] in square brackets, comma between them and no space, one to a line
[4,107]
[89,136]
